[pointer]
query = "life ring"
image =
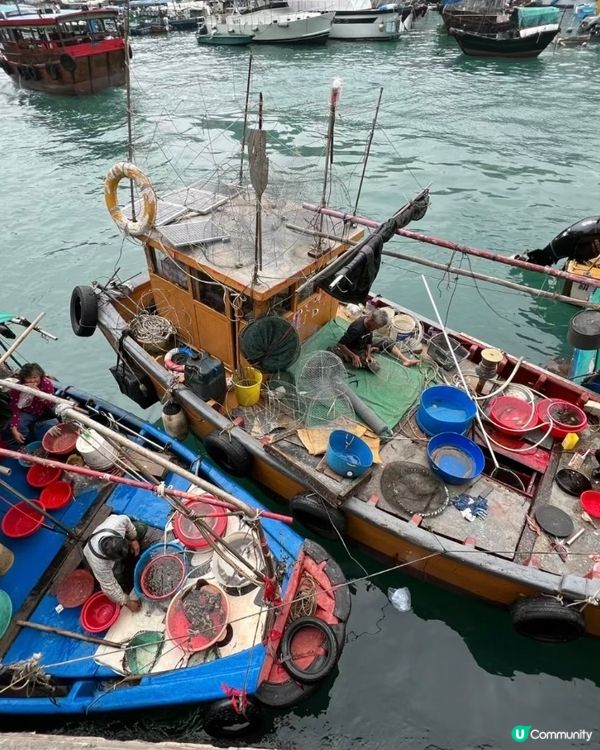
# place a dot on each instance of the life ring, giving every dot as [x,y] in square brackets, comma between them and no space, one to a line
[546,619]
[222,721]
[147,217]
[323,664]
[83,311]
[170,364]
[314,513]
[228,453]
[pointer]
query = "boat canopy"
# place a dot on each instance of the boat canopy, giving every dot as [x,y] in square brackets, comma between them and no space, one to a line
[6,317]
[530,17]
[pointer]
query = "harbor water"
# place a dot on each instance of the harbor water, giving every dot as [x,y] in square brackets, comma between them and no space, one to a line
[510,150]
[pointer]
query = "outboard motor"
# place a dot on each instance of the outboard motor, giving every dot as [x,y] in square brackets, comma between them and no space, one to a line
[580,242]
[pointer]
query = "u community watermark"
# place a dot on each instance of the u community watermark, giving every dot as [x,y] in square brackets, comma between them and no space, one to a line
[522,733]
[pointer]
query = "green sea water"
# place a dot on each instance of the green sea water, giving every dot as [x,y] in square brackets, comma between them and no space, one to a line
[510,150]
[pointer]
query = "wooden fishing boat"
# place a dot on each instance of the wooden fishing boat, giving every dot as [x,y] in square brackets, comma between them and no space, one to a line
[525,43]
[67,52]
[241,319]
[247,615]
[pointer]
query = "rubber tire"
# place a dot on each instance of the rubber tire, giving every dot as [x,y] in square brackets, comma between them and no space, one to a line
[329,660]
[222,722]
[228,453]
[547,620]
[311,511]
[84,311]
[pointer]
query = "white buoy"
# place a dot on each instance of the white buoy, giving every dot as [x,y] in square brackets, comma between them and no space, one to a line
[175,421]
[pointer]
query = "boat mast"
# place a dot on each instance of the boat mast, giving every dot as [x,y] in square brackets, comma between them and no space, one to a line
[334,98]
[368,149]
[129,111]
[259,176]
[246,117]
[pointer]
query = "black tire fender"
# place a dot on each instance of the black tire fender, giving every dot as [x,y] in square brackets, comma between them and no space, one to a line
[322,666]
[228,453]
[314,513]
[546,619]
[83,310]
[222,721]
[68,63]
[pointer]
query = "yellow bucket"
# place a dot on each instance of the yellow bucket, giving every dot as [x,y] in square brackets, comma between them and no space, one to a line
[246,383]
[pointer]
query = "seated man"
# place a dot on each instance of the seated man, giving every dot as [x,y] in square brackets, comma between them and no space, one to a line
[110,552]
[357,346]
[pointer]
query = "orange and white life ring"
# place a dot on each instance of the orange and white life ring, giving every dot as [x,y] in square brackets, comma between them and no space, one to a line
[147,216]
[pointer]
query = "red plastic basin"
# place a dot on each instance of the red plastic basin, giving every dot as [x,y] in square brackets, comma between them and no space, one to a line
[75,588]
[590,502]
[63,441]
[99,613]
[152,570]
[186,531]
[41,476]
[56,495]
[556,410]
[21,520]
[512,415]
[197,617]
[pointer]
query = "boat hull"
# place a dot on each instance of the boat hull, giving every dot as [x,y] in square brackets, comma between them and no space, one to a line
[476,45]
[453,564]
[229,40]
[369,25]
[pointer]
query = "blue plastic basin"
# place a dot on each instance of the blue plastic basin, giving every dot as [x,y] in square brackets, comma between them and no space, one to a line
[347,454]
[30,448]
[443,408]
[455,458]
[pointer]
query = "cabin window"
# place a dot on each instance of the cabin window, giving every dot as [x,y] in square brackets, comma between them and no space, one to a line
[176,273]
[209,292]
[282,302]
[110,26]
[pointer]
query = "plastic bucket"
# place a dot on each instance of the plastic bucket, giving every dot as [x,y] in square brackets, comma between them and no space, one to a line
[444,408]
[96,452]
[455,458]
[246,384]
[405,327]
[512,415]
[556,410]
[347,454]
[99,613]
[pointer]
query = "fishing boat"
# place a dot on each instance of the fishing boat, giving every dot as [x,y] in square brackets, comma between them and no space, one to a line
[529,33]
[148,18]
[245,342]
[209,34]
[272,23]
[478,16]
[237,611]
[63,52]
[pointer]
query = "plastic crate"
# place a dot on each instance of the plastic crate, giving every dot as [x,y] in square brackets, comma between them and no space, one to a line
[437,349]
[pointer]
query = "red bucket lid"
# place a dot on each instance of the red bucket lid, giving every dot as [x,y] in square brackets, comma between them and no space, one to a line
[75,588]
[512,414]
[186,531]
[197,617]
[21,520]
[41,476]
[63,441]
[99,613]
[56,495]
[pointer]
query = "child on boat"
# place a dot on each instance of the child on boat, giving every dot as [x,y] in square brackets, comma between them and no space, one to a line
[27,409]
[357,346]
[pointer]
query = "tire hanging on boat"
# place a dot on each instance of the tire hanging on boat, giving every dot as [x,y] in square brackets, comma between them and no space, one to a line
[83,311]
[546,619]
[222,721]
[228,453]
[323,664]
[147,216]
[313,512]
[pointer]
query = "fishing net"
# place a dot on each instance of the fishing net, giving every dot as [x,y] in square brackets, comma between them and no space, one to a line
[321,375]
[143,652]
[270,343]
[414,488]
[335,411]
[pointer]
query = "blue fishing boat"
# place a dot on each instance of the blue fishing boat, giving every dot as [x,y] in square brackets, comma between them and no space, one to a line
[249,615]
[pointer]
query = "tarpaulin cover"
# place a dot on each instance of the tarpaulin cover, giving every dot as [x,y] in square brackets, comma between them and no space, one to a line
[529,17]
[390,393]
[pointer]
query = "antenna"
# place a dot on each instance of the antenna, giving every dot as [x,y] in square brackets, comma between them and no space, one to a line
[368,150]
[334,97]
[246,117]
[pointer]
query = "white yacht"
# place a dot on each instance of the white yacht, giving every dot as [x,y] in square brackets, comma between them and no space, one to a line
[356,20]
[273,22]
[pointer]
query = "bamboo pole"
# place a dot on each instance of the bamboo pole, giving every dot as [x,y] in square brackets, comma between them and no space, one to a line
[139,484]
[37,508]
[68,634]
[19,340]
[493,280]
[455,246]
